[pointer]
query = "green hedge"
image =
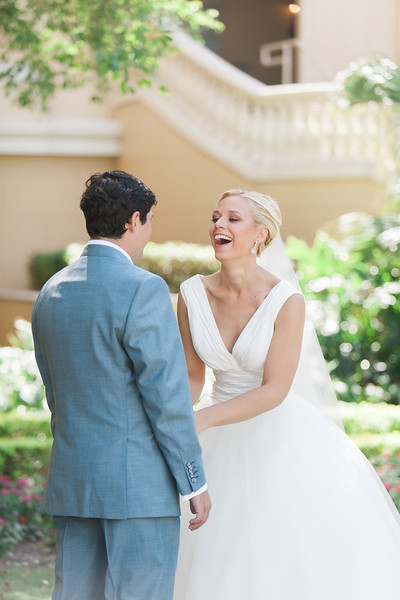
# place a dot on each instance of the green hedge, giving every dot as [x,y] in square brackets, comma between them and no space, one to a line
[366,417]
[374,444]
[173,261]
[24,457]
[20,382]
[29,424]
[177,261]
[25,443]
[43,266]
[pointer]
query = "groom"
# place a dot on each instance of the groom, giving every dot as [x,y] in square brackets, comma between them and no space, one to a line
[125,444]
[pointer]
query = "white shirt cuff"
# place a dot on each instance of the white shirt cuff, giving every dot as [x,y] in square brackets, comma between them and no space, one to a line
[197,493]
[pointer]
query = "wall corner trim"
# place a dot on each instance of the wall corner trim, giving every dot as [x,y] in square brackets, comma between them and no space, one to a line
[60,136]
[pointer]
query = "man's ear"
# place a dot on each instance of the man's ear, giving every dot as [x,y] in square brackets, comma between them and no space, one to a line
[134,221]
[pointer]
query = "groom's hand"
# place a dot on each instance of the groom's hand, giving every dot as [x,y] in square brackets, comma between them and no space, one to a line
[200,506]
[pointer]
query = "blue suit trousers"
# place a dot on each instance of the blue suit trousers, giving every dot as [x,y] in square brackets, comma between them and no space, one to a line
[108,559]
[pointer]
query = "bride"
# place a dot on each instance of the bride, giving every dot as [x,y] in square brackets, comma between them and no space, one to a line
[298,511]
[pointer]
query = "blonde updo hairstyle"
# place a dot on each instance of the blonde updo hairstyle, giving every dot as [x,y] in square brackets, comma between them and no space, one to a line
[265,212]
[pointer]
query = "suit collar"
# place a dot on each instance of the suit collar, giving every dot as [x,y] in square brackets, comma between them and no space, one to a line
[106,250]
[110,245]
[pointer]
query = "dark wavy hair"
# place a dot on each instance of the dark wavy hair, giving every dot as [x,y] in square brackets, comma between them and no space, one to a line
[109,201]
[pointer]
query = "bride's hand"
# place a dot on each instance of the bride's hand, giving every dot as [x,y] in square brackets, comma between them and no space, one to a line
[200,420]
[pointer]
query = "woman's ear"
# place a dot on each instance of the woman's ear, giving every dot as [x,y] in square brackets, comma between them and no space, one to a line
[262,235]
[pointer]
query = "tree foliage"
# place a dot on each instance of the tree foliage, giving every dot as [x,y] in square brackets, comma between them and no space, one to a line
[52,44]
[375,79]
[352,281]
[358,274]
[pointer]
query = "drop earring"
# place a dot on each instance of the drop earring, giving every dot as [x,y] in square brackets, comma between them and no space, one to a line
[254,248]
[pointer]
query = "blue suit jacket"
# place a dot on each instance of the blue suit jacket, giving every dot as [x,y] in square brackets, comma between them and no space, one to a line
[110,355]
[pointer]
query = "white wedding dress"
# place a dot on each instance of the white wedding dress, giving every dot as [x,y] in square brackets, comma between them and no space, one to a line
[298,511]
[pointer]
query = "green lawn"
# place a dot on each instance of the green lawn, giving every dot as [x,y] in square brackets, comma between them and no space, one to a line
[26,583]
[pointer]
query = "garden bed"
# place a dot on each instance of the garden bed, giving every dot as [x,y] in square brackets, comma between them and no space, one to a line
[29,553]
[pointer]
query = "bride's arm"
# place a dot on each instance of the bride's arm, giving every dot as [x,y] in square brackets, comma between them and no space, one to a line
[195,365]
[279,370]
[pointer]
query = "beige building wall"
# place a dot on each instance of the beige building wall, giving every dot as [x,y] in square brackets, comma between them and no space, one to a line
[39,207]
[68,103]
[188,183]
[39,196]
[13,306]
[337,32]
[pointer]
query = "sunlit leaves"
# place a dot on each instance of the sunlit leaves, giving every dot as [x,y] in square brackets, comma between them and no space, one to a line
[50,44]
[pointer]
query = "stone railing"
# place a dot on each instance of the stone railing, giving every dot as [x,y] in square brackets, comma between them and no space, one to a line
[264,132]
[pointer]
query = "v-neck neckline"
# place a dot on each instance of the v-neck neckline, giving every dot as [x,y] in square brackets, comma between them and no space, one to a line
[213,320]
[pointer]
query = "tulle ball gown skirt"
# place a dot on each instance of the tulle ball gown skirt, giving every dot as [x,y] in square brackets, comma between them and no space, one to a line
[298,514]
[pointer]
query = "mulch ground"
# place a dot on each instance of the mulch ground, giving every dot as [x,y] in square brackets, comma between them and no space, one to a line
[29,554]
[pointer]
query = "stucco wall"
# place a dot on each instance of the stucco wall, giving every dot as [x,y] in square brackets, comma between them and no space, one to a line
[39,205]
[337,32]
[188,183]
[13,306]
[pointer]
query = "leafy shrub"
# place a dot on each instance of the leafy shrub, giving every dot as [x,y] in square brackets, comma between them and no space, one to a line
[369,418]
[373,444]
[352,284]
[25,456]
[177,261]
[23,335]
[30,423]
[173,261]
[20,518]
[375,429]
[25,443]
[20,382]
[44,265]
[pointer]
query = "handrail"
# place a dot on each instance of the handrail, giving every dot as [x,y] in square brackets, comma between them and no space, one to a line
[280,53]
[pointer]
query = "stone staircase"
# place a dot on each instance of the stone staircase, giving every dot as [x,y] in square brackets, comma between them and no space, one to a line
[285,132]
